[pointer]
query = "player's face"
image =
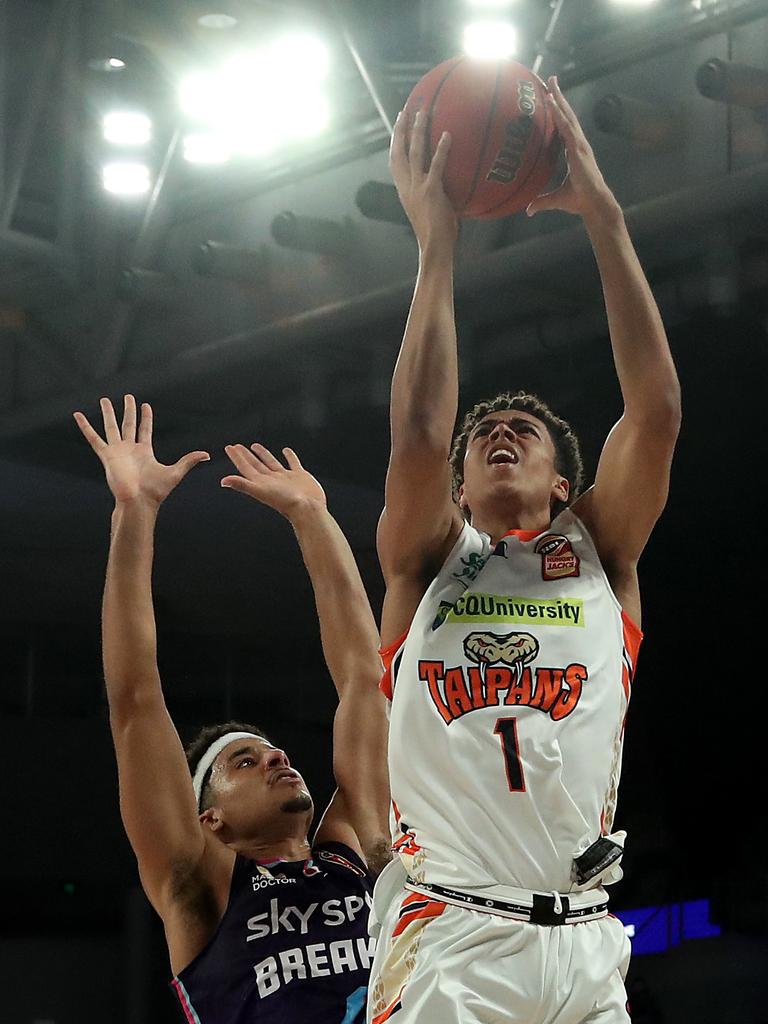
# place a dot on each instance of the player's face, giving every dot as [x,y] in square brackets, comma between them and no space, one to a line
[511,456]
[255,787]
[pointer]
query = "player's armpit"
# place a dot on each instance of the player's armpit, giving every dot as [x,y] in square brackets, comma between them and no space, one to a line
[359,812]
[336,827]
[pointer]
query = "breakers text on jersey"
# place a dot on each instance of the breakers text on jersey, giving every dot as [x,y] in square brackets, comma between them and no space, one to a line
[318,959]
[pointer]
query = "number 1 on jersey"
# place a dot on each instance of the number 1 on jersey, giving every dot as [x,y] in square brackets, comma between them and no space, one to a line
[506,730]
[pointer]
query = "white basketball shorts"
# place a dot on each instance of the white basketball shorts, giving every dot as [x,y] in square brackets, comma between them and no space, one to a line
[442,964]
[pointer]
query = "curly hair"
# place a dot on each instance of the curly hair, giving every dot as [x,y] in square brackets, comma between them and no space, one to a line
[568,461]
[198,746]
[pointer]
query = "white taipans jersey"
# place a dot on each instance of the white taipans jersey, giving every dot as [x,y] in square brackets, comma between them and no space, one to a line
[509,694]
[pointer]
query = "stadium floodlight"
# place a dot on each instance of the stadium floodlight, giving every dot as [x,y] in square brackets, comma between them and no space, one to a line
[490,5]
[729,82]
[206,148]
[259,98]
[107,64]
[216,21]
[309,117]
[205,96]
[303,57]
[127,128]
[126,178]
[491,40]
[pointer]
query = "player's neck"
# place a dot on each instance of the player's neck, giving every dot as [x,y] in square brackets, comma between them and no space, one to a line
[291,847]
[498,521]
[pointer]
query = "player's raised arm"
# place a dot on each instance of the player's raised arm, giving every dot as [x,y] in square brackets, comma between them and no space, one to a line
[156,798]
[632,479]
[358,814]
[420,521]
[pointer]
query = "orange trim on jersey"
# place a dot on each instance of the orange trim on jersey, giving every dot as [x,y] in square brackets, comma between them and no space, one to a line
[420,913]
[633,637]
[387,654]
[523,535]
[380,1018]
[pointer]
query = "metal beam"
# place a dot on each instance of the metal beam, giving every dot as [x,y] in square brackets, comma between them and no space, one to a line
[72,131]
[46,65]
[549,35]
[4,47]
[490,277]
[617,50]
[40,252]
[377,90]
[143,256]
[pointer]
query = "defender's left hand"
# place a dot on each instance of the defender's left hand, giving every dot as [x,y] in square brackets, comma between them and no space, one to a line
[584,191]
[288,490]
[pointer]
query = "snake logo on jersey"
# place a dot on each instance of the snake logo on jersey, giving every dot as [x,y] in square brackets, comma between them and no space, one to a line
[503,674]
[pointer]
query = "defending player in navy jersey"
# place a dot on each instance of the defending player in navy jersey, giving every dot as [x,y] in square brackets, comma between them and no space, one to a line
[261,925]
[511,624]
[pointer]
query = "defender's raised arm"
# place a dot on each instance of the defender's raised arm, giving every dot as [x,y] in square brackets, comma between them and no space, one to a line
[156,799]
[358,814]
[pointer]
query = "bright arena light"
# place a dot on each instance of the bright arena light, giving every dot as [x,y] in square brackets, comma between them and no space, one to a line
[490,5]
[300,56]
[206,148]
[204,96]
[260,98]
[127,128]
[126,179]
[217,21]
[491,40]
[311,117]
[633,3]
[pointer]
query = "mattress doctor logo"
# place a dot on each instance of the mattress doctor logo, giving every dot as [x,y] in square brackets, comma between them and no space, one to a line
[558,559]
[502,674]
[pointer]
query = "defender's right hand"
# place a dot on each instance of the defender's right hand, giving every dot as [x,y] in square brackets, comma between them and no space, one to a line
[127,455]
[420,187]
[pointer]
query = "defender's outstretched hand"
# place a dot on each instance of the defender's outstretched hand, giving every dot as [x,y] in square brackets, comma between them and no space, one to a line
[263,477]
[128,458]
[584,191]
[419,186]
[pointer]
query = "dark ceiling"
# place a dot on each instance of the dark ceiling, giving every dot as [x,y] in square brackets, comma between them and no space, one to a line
[100,296]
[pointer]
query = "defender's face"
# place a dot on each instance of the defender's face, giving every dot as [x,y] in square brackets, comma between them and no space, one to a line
[254,785]
[510,454]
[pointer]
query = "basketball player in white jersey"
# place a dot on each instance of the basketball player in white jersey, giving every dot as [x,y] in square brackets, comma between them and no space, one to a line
[510,629]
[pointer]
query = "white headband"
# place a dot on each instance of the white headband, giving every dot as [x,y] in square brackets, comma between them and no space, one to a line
[210,756]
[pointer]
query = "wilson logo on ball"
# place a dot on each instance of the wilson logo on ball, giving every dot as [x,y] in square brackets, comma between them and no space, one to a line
[507,164]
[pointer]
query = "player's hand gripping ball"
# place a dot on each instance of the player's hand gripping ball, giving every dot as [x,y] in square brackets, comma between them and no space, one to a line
[505,147]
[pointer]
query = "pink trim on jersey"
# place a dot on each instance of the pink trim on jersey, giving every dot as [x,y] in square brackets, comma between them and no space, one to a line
[186,1005]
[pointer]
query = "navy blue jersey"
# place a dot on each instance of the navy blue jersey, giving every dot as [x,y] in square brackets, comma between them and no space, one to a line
[293,945]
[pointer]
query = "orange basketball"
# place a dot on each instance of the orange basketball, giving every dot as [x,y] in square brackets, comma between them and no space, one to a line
[504,144]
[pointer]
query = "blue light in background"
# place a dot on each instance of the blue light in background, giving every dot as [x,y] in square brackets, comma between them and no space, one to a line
[657,929]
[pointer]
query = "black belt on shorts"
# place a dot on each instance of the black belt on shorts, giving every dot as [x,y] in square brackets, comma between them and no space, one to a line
[543,911]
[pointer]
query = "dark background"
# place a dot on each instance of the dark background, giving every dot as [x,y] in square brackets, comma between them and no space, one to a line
[300,352]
